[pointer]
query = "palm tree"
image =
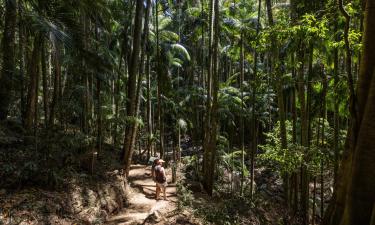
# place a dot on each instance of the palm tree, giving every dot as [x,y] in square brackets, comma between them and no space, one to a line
[212,110]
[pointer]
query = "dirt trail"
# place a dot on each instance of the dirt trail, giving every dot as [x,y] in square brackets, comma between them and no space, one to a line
[142,203]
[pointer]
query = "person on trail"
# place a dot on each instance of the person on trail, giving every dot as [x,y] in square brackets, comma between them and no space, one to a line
[160,179]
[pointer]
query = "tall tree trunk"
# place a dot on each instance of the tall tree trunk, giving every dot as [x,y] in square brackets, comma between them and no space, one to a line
[99,121]
[304,136]
[254,119]
[213,131]
[207,122]
[242,122]
[295,176]
[32,96]
[159,87]
[149,109]
[56,83]
[8,70]
[21,56]
[44,83]
[354,196]
[324,115]
[132,88]
[336,111]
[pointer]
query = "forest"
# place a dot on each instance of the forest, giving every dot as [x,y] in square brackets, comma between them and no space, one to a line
[261,111]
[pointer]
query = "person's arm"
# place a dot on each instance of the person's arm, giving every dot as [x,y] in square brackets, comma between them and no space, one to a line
[165,175]
[153,173]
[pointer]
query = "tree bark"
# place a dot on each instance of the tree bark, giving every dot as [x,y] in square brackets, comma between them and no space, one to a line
[9,67]
[56,83]
[210,151]
[32,96]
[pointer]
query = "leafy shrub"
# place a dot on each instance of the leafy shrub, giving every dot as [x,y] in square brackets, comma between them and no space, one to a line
[284,160]
[43,161]
[184,195]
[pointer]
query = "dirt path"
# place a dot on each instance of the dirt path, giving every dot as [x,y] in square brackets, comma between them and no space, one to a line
[142,199]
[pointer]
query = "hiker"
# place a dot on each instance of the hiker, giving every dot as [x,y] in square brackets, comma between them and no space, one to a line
[160,179]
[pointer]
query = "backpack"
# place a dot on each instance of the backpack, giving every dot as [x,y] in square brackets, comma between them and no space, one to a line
[154,164]
[159,175]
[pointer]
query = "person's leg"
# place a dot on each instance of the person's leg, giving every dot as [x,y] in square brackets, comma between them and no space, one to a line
[157,191]
[164,192]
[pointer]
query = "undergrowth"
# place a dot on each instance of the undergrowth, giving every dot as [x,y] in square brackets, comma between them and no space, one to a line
[44,159]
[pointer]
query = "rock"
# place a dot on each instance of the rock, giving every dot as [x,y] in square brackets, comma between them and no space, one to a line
[92,198]
[156,216]
[103,214]
[89,215]
[111,205]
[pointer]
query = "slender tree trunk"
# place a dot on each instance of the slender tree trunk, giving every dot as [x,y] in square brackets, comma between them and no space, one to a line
[295,176]
[314,203]
[336,111]
[211,142]
[149,109]
[45,84]
[324,115]
[56,83]
[159,88]
[22,40]
[242,123]
[99,105]
[304,139]
[207,123]
[254,119]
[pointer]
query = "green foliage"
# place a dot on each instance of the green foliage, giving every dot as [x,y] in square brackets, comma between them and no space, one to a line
[56,157]
[290,159]
[184,195]
[226,212]
[283,160]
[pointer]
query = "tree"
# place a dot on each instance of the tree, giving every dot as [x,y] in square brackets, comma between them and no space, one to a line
[212,110]
[354,197]
[132,108]
[8,71]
